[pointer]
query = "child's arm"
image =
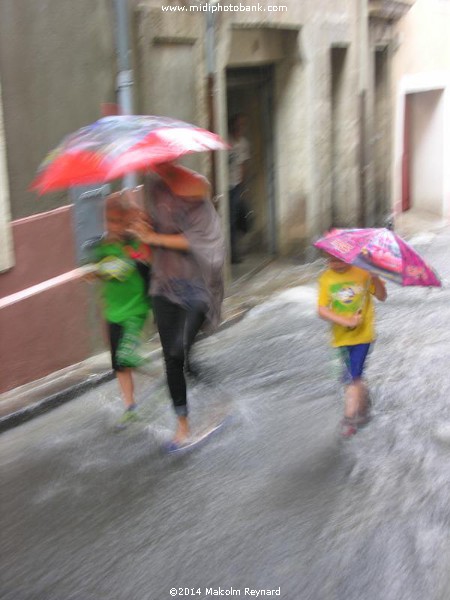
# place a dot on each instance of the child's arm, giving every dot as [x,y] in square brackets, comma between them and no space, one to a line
[328,315]
[380,291]
[89,273]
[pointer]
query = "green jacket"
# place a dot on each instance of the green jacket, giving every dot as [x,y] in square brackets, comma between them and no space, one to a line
[123,288]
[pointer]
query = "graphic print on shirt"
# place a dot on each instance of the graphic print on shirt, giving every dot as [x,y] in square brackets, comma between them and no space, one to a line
[346,297]
[113,267]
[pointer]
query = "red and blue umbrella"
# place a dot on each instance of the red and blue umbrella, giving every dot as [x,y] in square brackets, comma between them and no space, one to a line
[382,252]
[114,146]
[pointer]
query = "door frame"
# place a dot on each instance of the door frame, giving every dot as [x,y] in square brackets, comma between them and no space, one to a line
[411,84]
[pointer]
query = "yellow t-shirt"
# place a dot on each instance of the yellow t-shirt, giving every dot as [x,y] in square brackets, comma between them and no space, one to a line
[346,294]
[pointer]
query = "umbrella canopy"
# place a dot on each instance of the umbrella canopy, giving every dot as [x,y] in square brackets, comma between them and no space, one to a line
[380,251]
[114,146]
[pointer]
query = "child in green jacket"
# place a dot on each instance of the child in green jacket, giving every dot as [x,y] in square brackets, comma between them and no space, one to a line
[122,267]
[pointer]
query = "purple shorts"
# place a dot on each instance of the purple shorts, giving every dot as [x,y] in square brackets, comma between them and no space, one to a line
[353,358]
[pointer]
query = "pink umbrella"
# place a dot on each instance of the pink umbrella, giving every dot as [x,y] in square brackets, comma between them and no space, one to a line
[380,251]
[114,146]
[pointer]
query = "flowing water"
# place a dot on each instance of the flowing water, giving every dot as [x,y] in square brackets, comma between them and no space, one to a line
[276,500]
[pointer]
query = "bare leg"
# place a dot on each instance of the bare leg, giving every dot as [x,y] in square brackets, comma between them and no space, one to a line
[126,385]
[355,399]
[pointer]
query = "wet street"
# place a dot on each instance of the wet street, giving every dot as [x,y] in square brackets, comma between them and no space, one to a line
[276,500]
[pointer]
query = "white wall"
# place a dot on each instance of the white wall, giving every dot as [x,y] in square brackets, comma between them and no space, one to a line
[427,143]
[421,63]
[423,42]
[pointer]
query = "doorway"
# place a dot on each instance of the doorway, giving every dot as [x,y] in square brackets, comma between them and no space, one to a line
[423,152]
[250,93]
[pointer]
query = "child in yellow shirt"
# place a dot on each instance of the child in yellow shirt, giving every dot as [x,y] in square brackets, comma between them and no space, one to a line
[345,299]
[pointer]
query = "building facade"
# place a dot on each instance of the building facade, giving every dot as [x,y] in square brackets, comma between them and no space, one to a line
[421,93]
[313,78]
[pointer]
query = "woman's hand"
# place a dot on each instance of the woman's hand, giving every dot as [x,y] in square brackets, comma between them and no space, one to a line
[172,241]
[143,231]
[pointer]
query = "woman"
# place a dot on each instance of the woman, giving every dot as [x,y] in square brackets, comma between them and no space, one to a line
[187,271]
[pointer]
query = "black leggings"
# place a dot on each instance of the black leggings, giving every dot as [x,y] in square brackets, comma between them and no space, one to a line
[177,330]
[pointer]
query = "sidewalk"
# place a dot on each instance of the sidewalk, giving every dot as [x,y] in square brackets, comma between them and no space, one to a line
[21,404]
[35,398]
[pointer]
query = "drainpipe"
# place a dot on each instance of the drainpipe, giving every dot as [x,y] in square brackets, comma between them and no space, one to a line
[210,69]
[124,82]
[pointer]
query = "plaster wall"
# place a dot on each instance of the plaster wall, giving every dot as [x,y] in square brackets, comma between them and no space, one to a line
[57,65]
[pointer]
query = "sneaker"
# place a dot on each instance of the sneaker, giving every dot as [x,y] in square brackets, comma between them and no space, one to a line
[348,428]
[129,416]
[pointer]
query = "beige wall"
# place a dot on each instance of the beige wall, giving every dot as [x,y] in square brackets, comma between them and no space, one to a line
[57,65]
[302,108]
[297,42]
[169,68]
[423,39]
[54,87]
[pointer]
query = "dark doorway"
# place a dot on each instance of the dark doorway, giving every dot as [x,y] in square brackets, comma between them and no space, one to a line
[338,64]
[250,93]
[381,144]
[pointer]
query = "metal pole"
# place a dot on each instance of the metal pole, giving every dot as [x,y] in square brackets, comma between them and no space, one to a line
[210,67]
[124,86]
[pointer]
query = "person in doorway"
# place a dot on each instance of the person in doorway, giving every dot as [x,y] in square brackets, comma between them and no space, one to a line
[345,300]
[187,272]
[121,264]
[238,160]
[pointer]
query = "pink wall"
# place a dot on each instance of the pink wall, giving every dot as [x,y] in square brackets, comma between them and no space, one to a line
[55,325]
[44,247]
[44,333]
